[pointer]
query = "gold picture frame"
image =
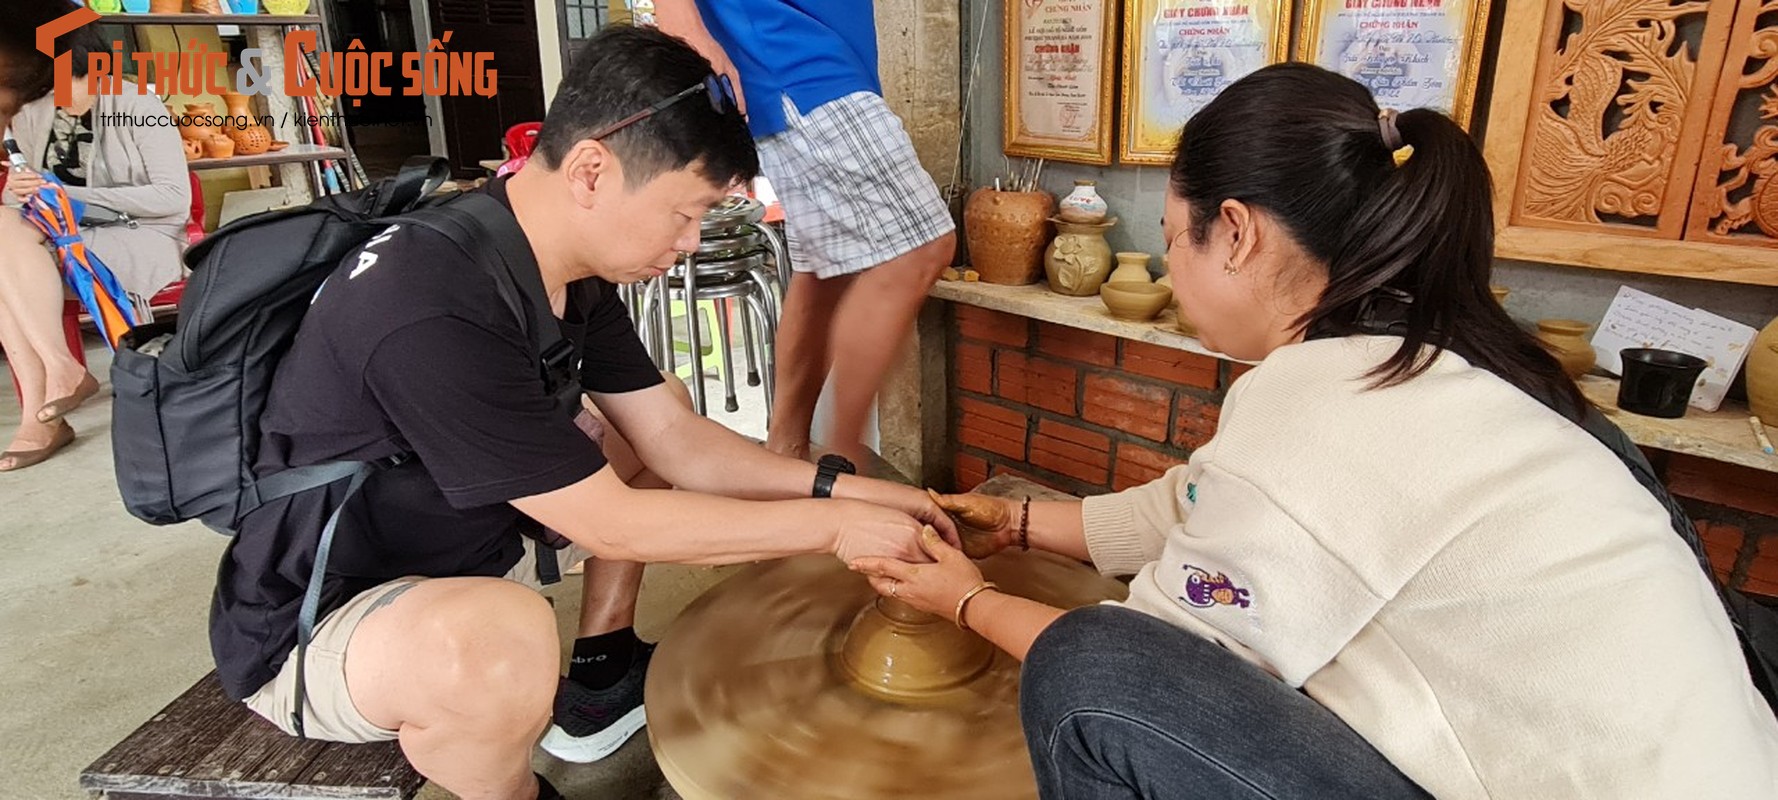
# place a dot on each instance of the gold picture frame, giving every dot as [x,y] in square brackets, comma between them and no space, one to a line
[1074,105]
[1237,38]
[1379,20]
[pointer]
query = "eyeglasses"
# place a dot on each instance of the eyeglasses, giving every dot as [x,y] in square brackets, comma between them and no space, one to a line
[716,87]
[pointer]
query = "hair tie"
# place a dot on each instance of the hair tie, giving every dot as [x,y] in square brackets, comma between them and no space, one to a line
[1398,150]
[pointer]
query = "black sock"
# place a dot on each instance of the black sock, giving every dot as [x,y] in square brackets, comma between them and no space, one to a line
[599,662]
[545,791]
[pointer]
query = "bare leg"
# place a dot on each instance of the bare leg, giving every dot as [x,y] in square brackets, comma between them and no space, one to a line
[31,289]
[802,357]
[465,670]
[872,323]
[27,368]
[609,588]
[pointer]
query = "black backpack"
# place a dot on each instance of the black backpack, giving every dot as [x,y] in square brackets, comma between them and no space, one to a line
[188,395]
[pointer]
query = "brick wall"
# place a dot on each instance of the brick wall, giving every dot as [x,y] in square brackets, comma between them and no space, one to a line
[1079,411]
[1088,413]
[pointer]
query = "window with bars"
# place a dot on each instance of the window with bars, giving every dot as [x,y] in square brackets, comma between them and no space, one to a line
[583,18]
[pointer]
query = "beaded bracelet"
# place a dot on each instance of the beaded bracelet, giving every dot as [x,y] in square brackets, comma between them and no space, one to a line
[968,596]
[1025,524]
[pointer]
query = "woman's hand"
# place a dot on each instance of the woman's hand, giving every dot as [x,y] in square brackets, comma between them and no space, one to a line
[934,588]
[23,183]
[986,525]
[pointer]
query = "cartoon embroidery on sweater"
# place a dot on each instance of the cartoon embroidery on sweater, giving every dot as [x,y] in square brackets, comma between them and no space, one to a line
[1204,589]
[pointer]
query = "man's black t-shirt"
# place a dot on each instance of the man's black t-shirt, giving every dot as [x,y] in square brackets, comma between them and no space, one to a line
[409,348]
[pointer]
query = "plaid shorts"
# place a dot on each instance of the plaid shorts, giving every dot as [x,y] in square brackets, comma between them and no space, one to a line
[853,191]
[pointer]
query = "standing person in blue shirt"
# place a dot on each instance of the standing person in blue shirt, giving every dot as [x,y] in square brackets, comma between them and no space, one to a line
[868,231]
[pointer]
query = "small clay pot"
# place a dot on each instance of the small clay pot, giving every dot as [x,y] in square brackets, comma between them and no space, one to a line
[219,146]
[1567,341]
[1137,302]
[166,6]
[1500,293]
[193,149]
[1131,268]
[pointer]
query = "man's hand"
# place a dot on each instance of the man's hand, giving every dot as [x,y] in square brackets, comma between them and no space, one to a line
[23,183]
[866,530]
[985,524]
[905,499]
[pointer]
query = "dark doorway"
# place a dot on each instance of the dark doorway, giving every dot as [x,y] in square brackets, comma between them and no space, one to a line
[474,125]
[388,130]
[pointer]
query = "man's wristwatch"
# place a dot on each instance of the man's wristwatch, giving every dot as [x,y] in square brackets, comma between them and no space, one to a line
[828,470]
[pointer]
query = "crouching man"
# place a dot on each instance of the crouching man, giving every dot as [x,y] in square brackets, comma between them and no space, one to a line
[431,630]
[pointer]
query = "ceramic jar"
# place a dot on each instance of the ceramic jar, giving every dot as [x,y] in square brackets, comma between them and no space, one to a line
[1006,232]
[250,139]
[1567,341]
[194,149]
[287,8]
[135,6]
[1083,205]
[218,146]
[166,6]
[1762,375]
[194,124]
[206,6]
[1079,259]
[105,6]
[1131,268]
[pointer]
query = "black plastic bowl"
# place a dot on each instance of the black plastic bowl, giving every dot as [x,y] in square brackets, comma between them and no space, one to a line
[1657,383]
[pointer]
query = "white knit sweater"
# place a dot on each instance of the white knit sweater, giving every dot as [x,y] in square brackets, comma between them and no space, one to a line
[1474,584]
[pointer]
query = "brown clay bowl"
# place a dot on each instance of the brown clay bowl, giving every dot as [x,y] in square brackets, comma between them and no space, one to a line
[1137,302]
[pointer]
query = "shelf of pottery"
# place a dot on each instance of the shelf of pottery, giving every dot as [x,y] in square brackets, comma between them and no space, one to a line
[306,140]
[1008,232]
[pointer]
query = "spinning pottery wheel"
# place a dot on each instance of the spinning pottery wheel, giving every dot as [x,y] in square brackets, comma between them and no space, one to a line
[792,680]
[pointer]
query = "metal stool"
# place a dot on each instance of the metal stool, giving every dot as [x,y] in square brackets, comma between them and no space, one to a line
[730,263]
[691,283]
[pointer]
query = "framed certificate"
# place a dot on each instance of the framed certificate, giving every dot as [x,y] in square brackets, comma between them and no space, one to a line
[1410,53]
[1058,79]
[1178,54]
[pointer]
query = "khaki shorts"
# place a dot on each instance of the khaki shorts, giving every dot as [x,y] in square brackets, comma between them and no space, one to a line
[328,712]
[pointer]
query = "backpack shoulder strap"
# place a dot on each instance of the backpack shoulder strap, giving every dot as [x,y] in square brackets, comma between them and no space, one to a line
[487,230]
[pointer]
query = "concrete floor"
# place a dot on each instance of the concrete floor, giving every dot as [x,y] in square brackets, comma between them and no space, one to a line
[102,617]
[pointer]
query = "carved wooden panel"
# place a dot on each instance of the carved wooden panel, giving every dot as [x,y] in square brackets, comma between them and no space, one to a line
[1737,196]
[1621,98]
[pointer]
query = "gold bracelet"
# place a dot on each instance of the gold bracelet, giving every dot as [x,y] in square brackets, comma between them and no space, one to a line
[968,596]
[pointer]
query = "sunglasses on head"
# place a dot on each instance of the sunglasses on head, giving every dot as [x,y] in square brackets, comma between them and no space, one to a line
[717,88]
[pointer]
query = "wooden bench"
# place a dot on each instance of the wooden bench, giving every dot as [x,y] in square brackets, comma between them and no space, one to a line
[204,745]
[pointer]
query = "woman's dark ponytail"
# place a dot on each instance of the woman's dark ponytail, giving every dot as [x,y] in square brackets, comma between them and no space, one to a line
[1307,145]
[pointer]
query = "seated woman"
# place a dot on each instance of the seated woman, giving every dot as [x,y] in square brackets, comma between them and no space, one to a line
[1394,572]
[105,161]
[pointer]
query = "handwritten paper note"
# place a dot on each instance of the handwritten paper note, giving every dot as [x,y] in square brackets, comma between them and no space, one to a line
[1640,319]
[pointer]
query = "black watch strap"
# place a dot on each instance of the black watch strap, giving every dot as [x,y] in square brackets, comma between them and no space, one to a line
[828,470]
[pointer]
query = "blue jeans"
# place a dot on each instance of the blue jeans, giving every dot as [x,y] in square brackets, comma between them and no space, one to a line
[1118,704]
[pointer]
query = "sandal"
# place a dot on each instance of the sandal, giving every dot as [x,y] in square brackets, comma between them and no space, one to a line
[30,458]
[62,406]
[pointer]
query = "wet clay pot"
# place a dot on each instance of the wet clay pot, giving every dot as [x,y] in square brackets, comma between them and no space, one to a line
[1567,341]
[1762,375]
[250,140]
[1079,259]
[1006,232]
